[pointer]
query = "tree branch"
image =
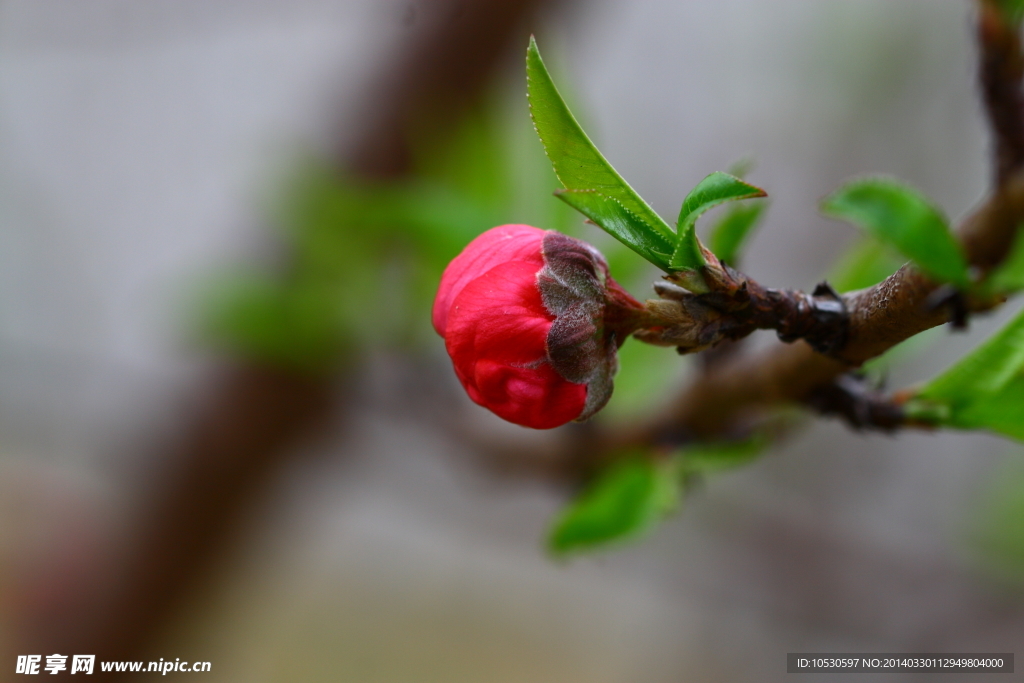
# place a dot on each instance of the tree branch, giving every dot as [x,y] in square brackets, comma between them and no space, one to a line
[879,318]
[896,309]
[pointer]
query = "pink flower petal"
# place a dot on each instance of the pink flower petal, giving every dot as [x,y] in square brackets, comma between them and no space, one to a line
[497,245]
[497,335]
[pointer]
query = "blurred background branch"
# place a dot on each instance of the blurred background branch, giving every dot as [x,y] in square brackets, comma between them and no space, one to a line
[256,413]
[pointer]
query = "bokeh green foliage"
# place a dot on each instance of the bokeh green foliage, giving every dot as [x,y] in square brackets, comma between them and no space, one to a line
[364,259]
[359,257]
[628,499]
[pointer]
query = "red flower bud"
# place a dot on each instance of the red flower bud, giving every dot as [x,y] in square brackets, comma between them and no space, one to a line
[524,316]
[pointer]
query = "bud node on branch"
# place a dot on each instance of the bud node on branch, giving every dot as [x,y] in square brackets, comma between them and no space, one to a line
[736,305]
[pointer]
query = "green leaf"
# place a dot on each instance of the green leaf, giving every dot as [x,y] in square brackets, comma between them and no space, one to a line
[629,498]
[611,215]
[580,166]
[984,390]
[984,370]
[625,502]
[729,234]
[714,190]
[899,215]
[1001,412]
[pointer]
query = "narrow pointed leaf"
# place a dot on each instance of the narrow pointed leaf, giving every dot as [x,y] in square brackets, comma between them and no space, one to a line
[1002,412]
[625,502]
[984,390]
[576,160]
[714,190]
[901,216]
[983,371]
[610,214]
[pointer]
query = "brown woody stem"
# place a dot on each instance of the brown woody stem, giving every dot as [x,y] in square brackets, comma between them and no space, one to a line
[852,399]
[735,306]
[892,311]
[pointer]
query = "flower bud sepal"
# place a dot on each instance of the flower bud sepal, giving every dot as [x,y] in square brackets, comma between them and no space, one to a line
[593,316]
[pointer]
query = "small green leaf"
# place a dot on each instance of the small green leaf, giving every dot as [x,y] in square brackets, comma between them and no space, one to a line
[984,390]
[580,166]
[899,215]
[984,370]
[715,189]
[1002,412]
[611,215]
[625,502]
[729,234]
[703,458]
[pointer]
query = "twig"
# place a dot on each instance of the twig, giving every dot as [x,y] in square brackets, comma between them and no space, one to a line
[892,311]
[735,306]
[880,317]
[862,406]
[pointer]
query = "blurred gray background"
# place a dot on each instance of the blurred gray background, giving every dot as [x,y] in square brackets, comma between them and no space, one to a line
[139,144]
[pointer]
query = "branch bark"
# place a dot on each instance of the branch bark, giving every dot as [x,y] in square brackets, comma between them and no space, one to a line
[882,316]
